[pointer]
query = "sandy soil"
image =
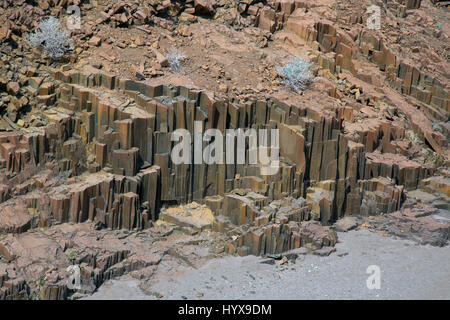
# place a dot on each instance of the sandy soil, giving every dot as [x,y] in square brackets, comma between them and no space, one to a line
[408,271]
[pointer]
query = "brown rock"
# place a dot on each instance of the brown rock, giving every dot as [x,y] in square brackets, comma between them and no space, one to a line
[47,88]
[95,41]
[187,17]
[204,7]
[13,88]
[5,33]
[426,226]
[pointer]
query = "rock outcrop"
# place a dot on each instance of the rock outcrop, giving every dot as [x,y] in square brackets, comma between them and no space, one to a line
[87,175]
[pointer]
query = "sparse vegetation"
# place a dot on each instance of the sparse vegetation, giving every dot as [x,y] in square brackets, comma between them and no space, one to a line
[71,255]
[296,74]
[175,59]
[412,136]
[51,37]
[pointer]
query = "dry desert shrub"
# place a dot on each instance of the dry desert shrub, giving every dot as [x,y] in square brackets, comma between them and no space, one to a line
[175,59]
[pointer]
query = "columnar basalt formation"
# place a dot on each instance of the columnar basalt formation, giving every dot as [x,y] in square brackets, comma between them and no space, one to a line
[120,132]
[87,175]
[341,50]
[417,224]
[128,135]
[36,262]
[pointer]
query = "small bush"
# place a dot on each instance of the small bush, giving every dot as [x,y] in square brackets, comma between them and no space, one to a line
[175,58]
[296,74]
[51,37]
[71,255]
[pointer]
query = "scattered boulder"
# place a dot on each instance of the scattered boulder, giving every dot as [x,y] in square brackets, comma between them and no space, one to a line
[204,7]
[346,224]
[324,252]
[192,215]
[13,88]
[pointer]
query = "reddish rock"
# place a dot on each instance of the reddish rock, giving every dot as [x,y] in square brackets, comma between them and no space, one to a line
[426,226]
[13,88]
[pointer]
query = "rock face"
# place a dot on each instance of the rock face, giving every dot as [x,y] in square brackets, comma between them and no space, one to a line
[425,226]
[340,52]
[346,224]
[192,216]
[279,238]
[119,131]
[129,135]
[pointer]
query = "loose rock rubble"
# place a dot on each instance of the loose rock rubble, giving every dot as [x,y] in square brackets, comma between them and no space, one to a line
[426,226]
[85,142]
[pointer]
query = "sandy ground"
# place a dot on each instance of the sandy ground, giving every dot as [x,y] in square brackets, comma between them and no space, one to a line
[408,271]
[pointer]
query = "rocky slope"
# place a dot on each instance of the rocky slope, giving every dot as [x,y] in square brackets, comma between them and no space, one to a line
[86,140]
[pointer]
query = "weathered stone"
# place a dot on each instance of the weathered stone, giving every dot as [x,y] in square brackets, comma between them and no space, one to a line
[426,226]
[192,215]
[95,41]
[346,224]
[204,7]
[13,88]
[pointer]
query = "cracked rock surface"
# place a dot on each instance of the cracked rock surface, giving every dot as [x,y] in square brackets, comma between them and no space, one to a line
[86,177]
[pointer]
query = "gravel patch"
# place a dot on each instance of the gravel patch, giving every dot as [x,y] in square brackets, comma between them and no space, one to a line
[408,271]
